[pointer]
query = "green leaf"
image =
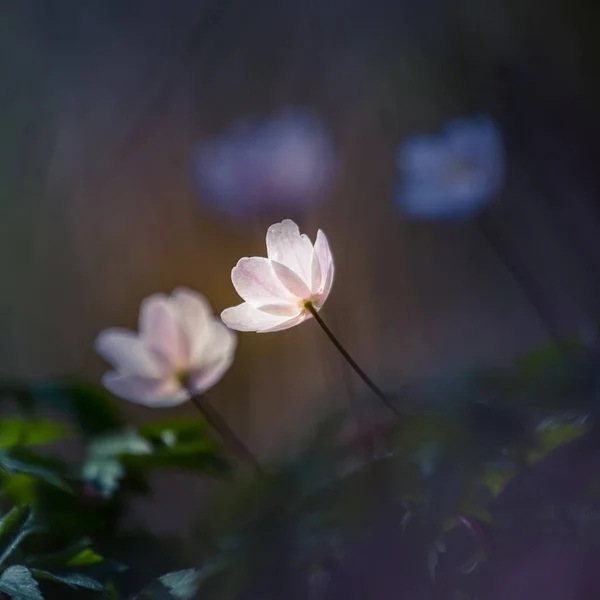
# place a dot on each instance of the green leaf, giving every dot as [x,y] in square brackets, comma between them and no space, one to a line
[545,357]
[16,515]
[21,460]
[496,481]
[198,455]
[91,405]
[180,585]
[85,557]
[20,530]
[105,474]
[19,584]
[74,580]
[20,488]
[60,559]
[556,431]
[116,444]
[103,467]
[180,430]
[29,432]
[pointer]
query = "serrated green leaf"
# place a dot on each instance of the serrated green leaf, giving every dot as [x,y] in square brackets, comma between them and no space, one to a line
[18,582]
[74,580]
[180,585]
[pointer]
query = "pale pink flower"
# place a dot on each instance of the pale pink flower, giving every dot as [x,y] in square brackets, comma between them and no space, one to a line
[181,348]
[276,289]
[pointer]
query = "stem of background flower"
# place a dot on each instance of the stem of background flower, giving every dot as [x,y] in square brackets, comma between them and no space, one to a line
[313,311]
[535,298]
[216,421]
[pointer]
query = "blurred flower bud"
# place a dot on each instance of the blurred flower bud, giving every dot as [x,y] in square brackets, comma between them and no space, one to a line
[453,174]
[286,161]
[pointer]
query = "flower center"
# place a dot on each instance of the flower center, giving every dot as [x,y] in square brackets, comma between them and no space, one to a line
[461,171]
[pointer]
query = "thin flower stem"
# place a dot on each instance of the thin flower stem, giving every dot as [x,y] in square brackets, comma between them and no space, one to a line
[313,311]
[218,423]
[531,292]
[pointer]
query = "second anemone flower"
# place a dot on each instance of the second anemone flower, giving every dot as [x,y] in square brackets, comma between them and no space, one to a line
[180,350]
[278,290]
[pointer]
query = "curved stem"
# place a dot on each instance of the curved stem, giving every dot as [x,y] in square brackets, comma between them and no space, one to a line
[313,311]
[218,423]
[532,294]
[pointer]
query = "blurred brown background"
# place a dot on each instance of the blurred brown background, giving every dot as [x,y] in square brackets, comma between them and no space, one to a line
[102,104]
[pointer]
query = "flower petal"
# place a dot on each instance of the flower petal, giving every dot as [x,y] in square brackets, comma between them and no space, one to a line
[220,342]
[202,380]
[149,391]
[285,245]
[288,323]
[421,155]
[195,317]
[325,258]
[127,352]
[161,330]
[281,310]
[291,281]
[246,317]
[256,282]
[316,274]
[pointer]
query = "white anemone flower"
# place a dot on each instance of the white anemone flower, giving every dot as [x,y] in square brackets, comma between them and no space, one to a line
[181,348]
[277,289]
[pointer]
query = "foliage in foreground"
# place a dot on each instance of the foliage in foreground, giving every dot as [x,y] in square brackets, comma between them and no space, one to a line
[475,463]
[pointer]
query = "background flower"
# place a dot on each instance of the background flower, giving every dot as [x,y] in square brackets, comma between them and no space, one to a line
[453,174]
[276,288]
[285,161]
[181,348]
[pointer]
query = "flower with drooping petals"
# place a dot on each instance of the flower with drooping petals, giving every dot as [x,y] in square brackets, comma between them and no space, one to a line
[276,289]
[451,175]
[181,348]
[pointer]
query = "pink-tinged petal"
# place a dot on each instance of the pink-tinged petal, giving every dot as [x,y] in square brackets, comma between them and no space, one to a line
[149,391]
[128,353]
[316,273]
[323,253]
[291,281]
[202,380]
[162,332]
[246,317]
[324,293]
[221,342]
[256,282]
[286,246]
[195,316]
[287,324]
[282,310]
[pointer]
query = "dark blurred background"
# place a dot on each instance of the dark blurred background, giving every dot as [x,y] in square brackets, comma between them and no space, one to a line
[102,105]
